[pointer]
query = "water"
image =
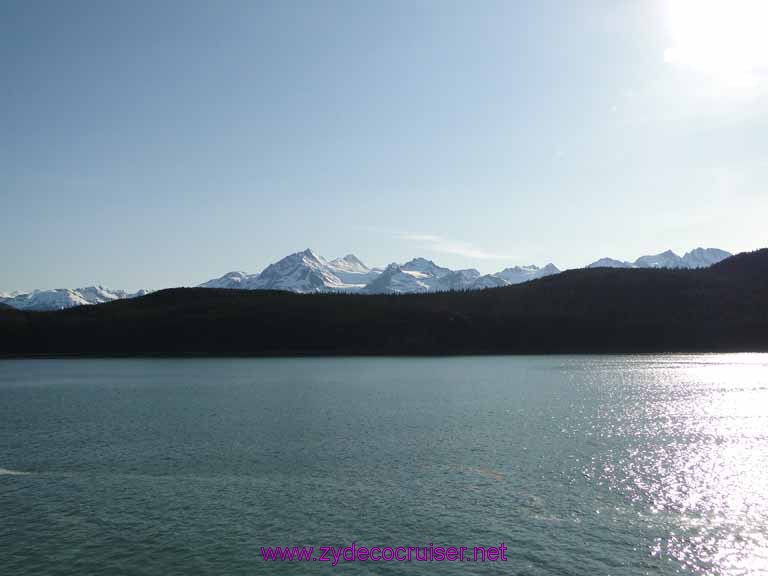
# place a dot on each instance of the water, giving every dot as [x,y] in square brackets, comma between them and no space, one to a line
[579,465]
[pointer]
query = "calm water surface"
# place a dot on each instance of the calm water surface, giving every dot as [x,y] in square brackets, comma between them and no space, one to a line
[580,465]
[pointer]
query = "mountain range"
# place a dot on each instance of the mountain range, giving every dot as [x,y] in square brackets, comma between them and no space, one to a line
[721,308]
[305,272]
[61,298]
[698,258]
[308,272]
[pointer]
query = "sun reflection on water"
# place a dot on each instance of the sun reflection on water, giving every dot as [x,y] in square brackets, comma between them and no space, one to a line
[695,456]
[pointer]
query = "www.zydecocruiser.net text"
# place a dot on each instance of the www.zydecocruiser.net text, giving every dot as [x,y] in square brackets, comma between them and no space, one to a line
[354,553]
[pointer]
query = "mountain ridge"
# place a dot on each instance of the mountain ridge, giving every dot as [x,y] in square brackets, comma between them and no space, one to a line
[720,308]
[696,258]
[61,298]
[307,272]
[420,274]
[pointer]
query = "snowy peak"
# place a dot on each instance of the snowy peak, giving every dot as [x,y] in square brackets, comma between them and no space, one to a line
[307,271]
[415,276]
[307,257]
[469,279]
[394,281]
[704,257]
[422,275]
[550,269]
[424,266]
[232,280]
[489,281]
[697,258]
[469,273]
[349,262]
[610,263]
[310,256]
[300,272]
[62,298]
[666,259]
[351,270]
[518,274]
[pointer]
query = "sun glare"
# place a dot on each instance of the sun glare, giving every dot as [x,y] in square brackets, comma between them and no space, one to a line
[722,40]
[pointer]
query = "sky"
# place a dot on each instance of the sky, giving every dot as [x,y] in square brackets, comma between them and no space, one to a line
[154,144]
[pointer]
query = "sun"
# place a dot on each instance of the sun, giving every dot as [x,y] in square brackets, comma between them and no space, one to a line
[723,41]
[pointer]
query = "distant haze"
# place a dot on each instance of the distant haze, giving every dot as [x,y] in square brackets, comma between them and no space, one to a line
[152,144]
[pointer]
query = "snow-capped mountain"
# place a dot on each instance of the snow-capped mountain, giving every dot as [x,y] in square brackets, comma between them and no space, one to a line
[704,257]
[610,263]
[46,300]
[666,259]
[489,281]
[417,275]
[697,258]
[231,280]
[352,271]
[66,298]
[459,280]
[469,280]
[308,272]
[302,272]
[421,275]
[396,280]
[519,274]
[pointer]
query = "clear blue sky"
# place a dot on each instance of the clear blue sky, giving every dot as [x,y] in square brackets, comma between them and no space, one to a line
[151,144]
